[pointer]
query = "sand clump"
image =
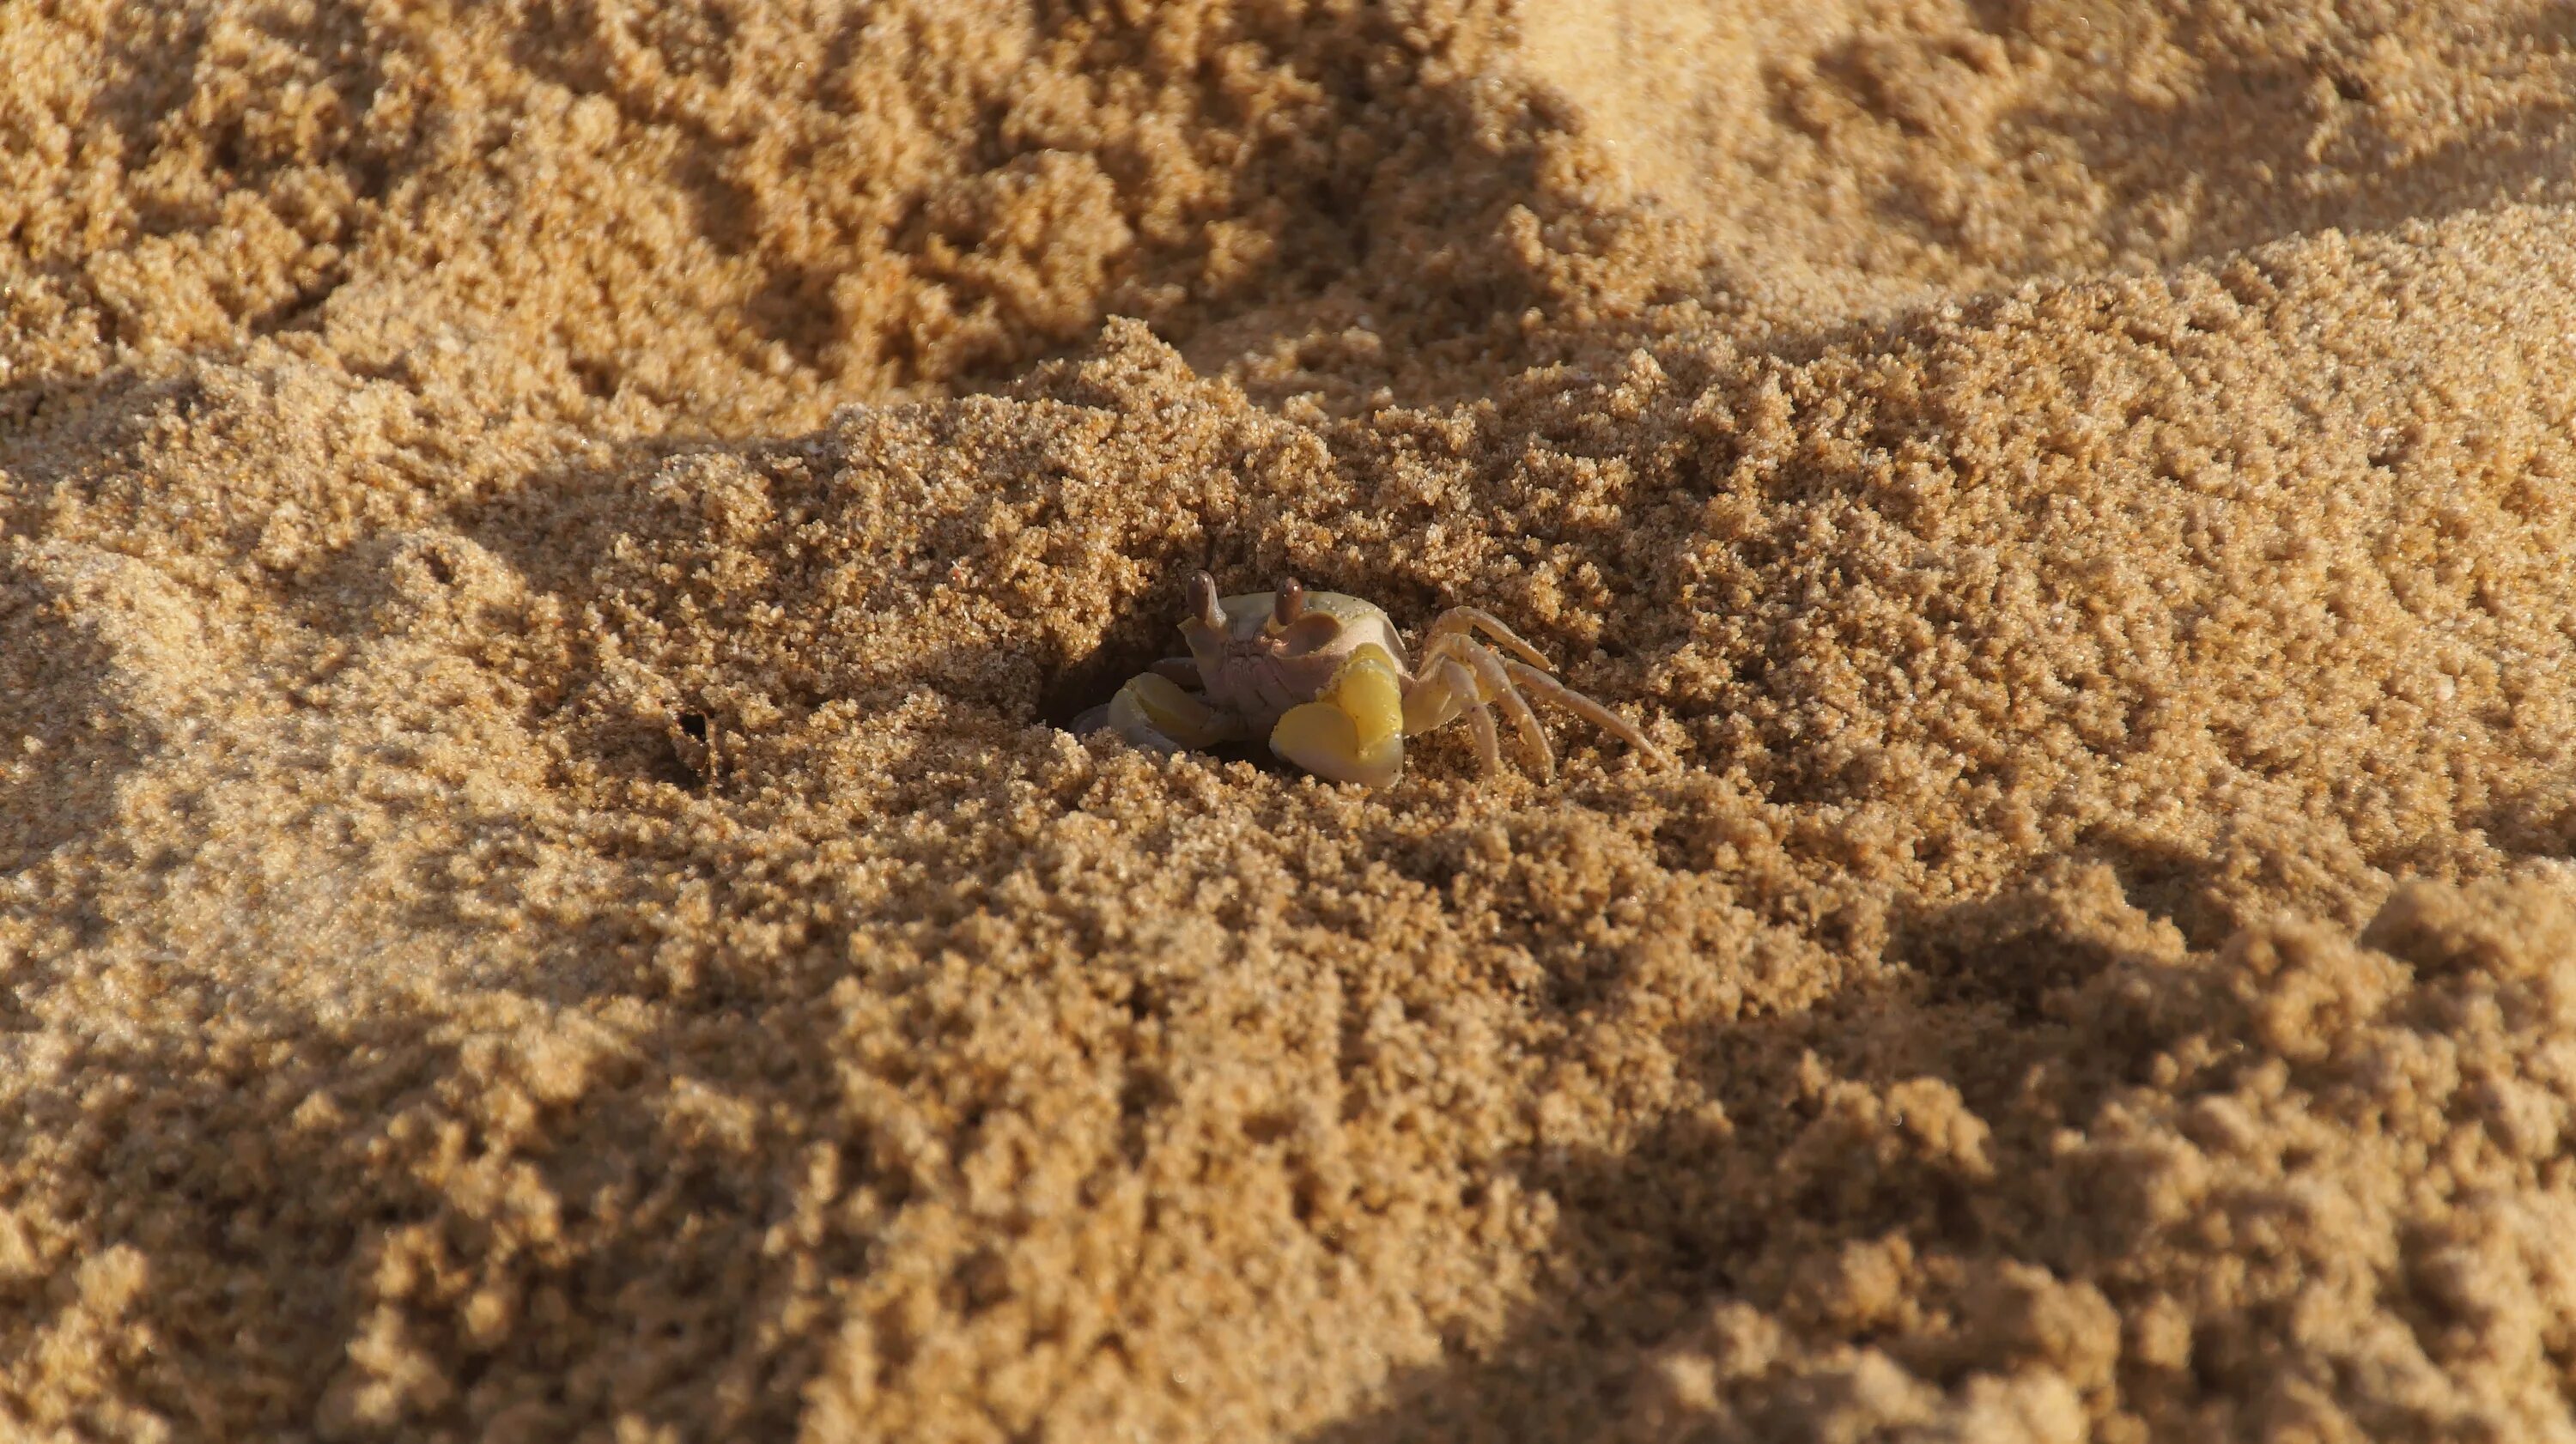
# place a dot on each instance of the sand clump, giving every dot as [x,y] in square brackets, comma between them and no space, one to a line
[547,548]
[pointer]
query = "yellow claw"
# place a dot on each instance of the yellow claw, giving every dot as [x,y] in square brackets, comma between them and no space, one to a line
[1151,707]
[1354,732]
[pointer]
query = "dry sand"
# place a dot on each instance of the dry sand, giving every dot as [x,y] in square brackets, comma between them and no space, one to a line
[545,544]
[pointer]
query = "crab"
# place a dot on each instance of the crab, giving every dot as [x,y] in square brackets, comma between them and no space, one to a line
[1323,677]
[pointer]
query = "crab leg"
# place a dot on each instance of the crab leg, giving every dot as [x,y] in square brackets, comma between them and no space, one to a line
[1573,701]
[1457,620]
[1495,685]
[1431,702]
[1480,718]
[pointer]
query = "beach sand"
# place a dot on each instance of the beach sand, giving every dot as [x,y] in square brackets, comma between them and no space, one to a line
[546,549]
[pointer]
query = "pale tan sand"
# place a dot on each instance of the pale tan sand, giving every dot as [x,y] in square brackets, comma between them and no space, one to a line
[545,545]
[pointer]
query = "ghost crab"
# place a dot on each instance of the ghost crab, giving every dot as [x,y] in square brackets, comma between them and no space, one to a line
[1323,675]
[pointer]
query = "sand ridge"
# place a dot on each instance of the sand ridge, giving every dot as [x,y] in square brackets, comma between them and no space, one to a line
[547,547]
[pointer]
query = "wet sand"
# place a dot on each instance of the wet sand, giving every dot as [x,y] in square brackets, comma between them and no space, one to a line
[546,549]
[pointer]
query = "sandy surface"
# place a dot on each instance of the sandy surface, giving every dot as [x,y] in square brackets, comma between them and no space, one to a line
[543,547]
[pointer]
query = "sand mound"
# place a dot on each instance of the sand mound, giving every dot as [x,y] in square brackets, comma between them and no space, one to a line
[548,548]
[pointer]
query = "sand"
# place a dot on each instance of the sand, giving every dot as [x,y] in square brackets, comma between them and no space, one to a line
[546,548]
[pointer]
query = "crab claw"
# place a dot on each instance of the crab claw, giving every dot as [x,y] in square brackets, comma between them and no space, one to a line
[1157,712]
[1353,732]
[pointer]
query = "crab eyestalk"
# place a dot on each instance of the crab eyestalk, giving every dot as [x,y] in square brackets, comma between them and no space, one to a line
[1287,606]
[1203,603]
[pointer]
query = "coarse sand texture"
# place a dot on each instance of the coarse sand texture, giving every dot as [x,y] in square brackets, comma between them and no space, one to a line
[547,549]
